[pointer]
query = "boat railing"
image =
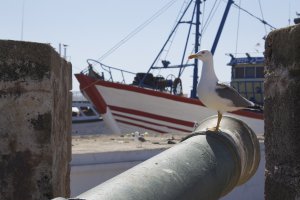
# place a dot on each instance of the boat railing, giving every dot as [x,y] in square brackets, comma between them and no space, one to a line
[170,83]
[110,71]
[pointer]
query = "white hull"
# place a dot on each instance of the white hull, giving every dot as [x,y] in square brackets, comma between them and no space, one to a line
[131,108]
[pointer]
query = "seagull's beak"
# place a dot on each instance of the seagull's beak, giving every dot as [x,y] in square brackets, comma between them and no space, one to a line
[193,56]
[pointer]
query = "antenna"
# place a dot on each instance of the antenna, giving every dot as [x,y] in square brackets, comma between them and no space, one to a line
[65,51]
[22,20]
[59,49]
[289,20]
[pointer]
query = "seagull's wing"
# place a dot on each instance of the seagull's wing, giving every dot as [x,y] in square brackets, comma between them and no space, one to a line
[227,92]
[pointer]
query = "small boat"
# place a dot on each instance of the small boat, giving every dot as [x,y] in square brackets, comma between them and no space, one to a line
[83,111]
[154,103]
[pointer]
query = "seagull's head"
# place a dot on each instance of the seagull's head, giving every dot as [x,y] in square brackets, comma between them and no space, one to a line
[203,55]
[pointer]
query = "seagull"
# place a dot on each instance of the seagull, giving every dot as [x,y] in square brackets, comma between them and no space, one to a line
[139,138]
[215,95]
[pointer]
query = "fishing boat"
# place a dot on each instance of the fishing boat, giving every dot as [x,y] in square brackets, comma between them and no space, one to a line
[154,103]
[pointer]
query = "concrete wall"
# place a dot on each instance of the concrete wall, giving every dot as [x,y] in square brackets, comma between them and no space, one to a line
[35,121]
[282,114]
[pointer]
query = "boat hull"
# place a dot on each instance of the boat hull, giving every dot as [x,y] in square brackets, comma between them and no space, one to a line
[131,108]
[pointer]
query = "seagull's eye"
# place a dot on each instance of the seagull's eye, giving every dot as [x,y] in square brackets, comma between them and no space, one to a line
[202,52]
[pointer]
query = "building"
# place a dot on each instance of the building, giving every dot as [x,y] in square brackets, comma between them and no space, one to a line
[247,77]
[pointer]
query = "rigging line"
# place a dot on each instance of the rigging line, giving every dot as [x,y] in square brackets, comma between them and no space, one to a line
[181,10]
[238,28]
[262,15]
[209,16]
[214,10]
[22,22]
[207,22]
[289,20]
[202,22]
[151,66]
[173,36]
[138,29]
[187,41]
[261,20]
[187,61]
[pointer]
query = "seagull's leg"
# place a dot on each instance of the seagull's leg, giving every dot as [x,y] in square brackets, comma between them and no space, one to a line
[219,120]
[218,123]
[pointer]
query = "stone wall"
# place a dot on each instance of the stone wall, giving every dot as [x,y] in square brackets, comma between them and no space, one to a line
[282,114]
[35,121]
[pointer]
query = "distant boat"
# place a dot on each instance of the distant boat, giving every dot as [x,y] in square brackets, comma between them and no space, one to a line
[83,111]
[155,103]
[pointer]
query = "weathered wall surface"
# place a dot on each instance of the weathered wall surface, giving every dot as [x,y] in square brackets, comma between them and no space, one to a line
[282,114]
[35,121]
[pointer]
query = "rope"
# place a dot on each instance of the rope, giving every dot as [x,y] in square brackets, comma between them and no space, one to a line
[262,15]
[187,41]
[261,20]
[173,36]
[238,28]
[204,25]
[210,16]
[167,49]
[202,22]
[138,29]
[289,20]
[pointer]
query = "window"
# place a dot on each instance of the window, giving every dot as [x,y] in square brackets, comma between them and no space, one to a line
[242,87]
[250,72]
[259,72]
[239,72]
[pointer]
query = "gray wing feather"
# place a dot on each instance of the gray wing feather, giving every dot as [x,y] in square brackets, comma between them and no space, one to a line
[231,94]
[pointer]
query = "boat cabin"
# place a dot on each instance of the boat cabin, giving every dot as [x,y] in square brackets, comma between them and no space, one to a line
[247,77]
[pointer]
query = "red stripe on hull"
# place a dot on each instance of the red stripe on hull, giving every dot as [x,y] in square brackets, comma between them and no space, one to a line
[141,126]
[144,121]
[153,116]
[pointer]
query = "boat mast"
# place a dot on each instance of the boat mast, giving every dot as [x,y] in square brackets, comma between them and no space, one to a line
[213,49]
[172,32]
[197,44]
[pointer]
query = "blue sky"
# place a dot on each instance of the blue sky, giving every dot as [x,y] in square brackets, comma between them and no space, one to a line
[91,27]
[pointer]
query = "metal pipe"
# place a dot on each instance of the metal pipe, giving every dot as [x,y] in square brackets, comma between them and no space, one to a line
[207,166]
